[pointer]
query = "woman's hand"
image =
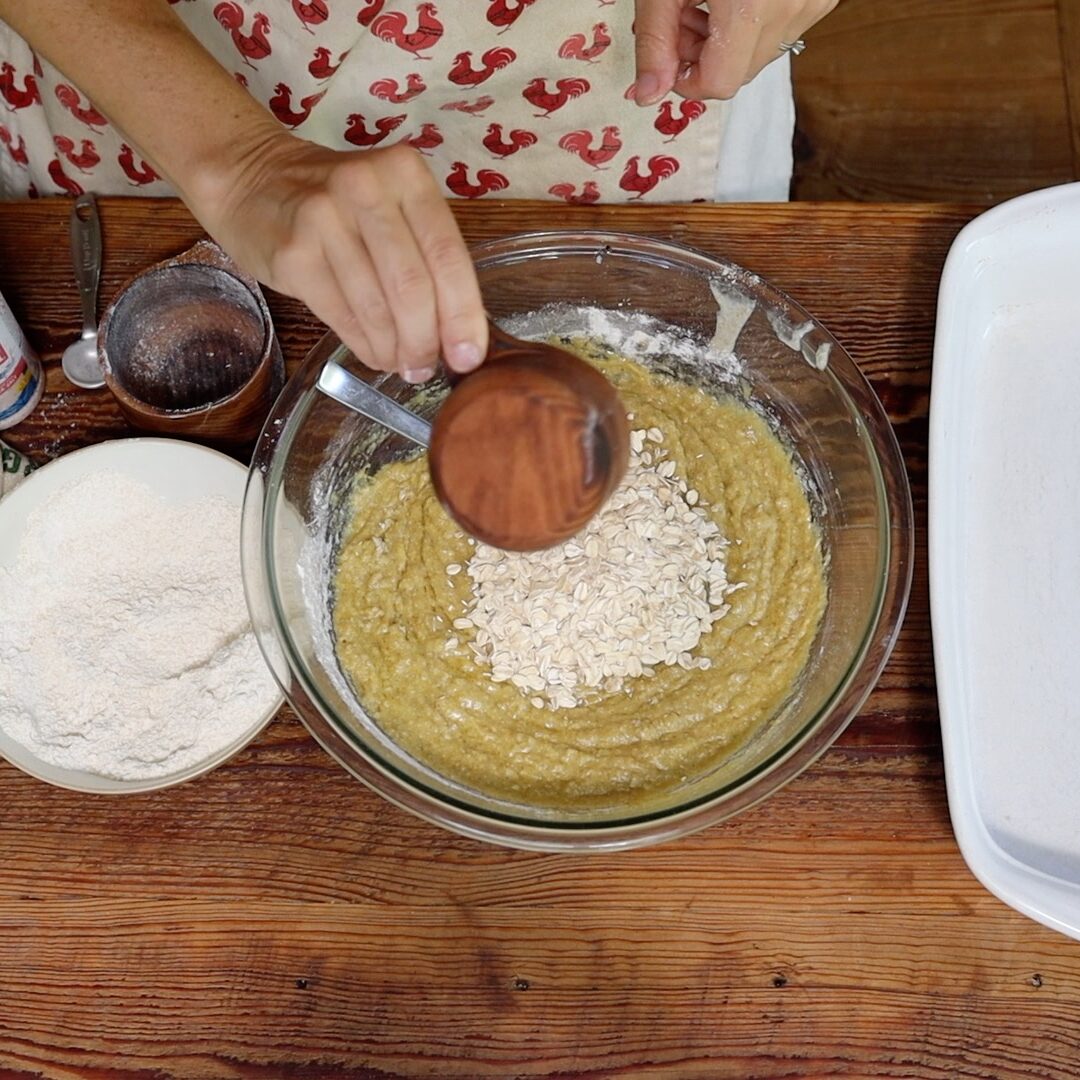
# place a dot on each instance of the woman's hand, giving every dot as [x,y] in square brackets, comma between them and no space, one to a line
[709,50]
[366,240]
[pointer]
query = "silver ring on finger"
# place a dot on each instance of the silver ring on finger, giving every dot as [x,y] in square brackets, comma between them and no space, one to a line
[794,47]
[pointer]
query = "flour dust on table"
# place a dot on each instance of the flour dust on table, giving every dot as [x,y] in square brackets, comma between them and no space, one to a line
[126,648]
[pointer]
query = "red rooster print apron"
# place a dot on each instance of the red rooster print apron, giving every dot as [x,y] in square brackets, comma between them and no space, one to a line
[505,98]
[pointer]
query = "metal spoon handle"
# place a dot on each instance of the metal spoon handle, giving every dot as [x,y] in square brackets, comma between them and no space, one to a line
[337,383]
[86,255]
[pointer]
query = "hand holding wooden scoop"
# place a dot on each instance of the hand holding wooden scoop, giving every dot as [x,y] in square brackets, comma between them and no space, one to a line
[523,452]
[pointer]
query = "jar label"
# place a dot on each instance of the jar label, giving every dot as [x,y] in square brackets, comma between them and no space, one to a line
[20,385]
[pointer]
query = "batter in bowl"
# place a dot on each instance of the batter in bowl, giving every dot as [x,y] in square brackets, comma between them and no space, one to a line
[401,582]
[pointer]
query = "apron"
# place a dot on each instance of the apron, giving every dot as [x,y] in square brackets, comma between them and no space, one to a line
[524,99]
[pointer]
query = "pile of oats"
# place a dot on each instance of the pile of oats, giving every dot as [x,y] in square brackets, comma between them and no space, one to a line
[633,591]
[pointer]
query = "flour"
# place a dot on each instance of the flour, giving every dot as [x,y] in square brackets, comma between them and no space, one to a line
[125,644]
[634,335]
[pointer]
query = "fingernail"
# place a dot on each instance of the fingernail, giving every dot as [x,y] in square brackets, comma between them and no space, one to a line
[647,89]
[464,356]
[418,375]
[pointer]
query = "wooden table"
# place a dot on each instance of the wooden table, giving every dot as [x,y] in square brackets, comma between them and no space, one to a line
[276,919]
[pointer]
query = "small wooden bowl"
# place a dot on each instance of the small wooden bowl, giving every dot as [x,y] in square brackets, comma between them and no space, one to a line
[188,348]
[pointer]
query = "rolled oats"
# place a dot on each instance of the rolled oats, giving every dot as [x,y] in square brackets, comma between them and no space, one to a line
[635,590]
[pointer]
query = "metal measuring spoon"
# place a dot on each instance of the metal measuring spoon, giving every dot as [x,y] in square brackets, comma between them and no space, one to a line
[80,361]
[337,383]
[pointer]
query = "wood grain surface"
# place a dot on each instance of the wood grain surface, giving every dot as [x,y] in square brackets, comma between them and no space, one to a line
[1069,34]
[962,100]
[275,919]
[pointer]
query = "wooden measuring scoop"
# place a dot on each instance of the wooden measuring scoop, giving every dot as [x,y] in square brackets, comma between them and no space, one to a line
[523,452]
[528,448]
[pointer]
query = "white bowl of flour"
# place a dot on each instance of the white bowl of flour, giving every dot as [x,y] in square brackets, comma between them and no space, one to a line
[127,658]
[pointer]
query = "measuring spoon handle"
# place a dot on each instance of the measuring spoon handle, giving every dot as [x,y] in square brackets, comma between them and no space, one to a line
[86,256]
[337,383]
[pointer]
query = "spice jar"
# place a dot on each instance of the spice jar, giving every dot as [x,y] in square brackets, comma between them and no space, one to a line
[21,378]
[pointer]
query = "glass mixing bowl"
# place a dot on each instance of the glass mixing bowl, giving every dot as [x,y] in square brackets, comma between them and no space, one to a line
[788,367]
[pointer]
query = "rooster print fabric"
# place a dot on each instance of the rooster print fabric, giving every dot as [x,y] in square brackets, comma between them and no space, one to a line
[505,98]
